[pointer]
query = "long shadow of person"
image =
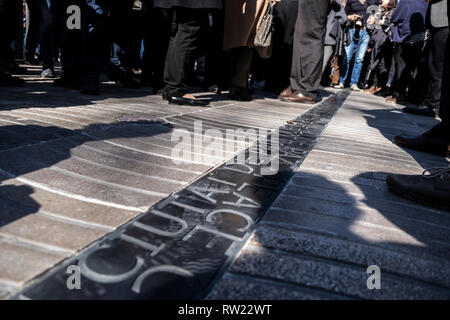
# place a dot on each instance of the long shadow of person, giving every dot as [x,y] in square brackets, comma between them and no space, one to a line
[26,149]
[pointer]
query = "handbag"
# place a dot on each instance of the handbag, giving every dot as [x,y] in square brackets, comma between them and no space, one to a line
[264,35]
[417,38]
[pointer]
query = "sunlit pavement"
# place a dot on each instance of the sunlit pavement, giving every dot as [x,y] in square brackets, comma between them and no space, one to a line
[94,182]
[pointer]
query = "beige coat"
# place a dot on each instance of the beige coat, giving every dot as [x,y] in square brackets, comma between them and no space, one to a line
[242,17]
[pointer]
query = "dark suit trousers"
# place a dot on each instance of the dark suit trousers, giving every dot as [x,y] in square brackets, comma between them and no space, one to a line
[308,54]
[185,39]
[436,66]
[444,112]
[34,7]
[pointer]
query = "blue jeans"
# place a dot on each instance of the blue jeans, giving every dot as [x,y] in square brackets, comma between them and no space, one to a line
[361,48]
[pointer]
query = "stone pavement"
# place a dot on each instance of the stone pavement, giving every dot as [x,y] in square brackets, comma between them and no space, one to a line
[79,175]
[336,217]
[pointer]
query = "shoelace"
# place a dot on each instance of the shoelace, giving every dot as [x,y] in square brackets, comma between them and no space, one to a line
[436,172]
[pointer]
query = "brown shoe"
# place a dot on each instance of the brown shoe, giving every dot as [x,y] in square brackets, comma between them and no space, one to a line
[292,97]
[286,93]
[370,90]
[377,89]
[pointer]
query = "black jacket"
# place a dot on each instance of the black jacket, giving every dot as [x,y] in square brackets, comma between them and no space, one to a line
[195,4]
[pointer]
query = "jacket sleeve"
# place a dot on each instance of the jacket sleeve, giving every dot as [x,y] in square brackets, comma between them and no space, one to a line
[398,14]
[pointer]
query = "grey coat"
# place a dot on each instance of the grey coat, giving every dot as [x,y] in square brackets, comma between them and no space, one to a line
[438,14]
[335,24]
[194,4]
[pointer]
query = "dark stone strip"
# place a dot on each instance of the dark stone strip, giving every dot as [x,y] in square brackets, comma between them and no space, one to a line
[182,245]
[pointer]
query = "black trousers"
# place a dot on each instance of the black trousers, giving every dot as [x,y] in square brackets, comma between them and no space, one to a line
[34,7]
[308,54]
[215,66]
[10,20]
[83,51]
[186,32]
[47,36]
[436,58]
[407,59]
[444,111]
[156,43]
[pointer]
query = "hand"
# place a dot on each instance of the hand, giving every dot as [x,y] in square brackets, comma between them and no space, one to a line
[353,17]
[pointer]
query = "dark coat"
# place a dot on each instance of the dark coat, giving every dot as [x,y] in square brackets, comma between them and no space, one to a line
[408,18]
[194,4]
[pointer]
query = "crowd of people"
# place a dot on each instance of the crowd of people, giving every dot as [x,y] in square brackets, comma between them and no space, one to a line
[397,49]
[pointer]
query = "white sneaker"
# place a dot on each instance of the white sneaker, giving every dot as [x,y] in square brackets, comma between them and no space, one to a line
[339,86]
[47,73]
[355,87]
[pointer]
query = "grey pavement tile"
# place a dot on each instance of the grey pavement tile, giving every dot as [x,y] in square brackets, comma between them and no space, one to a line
[50,233]
[434,271]
[233,287]
[20,264]
[15,195]
[340,278]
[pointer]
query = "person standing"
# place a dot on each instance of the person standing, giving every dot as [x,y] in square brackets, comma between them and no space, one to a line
[433,186]
[307,59]
[242,19]
[10,19]
[358,13]
[437,22]
[82,49]
[188,18]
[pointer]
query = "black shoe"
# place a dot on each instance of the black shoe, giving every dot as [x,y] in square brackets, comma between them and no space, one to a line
[428,142]
[384,93]
[32,61]
[421,110]
[240,94]
[181,101]
[67,82]
[90,91]
[7,80]
[124,79]
[215,89]
[432,188]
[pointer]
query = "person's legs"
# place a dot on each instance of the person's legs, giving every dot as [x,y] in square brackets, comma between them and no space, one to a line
[436,61]
[328,52]
[347,59]
[433,186]
[183,44]
[34,8]
[309,47]
[242,61]
[361,50]
[156,44]
[214,59]
[443,128]
[336,70]
[47,38]
[93,48]
[69,43]
[240,64]
[436,140]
